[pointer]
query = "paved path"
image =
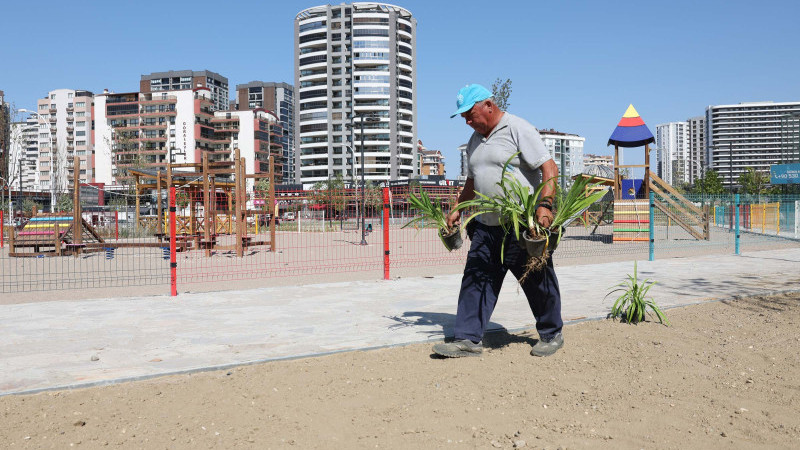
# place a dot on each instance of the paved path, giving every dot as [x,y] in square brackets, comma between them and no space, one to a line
[52,344]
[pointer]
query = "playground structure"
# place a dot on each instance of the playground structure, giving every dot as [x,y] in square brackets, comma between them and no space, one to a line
[61,234]
[632,215]
[202,184]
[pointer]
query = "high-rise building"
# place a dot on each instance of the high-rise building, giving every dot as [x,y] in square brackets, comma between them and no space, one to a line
[672,144]
[568,145]
[462,153]
[697,147]
[178,80]
[278,98]
[746,135]
[354,60]
[65,131]
[24,153]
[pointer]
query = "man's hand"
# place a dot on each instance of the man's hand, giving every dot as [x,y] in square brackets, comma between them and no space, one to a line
[544,216]
[454,218]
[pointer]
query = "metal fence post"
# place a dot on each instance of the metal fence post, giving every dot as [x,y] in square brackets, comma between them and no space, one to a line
[797,218]
[652,226]
[738,250]
[173,264]
[3,229]
[386,234]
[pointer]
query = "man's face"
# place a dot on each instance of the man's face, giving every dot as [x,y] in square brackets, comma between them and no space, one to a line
[478,117]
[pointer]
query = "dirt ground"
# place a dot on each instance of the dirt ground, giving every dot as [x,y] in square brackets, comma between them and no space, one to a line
[724,375]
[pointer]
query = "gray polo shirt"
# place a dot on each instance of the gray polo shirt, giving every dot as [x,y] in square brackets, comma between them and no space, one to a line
[486,156]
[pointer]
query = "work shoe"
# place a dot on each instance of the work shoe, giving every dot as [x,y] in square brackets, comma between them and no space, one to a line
[548,347]
[458,349]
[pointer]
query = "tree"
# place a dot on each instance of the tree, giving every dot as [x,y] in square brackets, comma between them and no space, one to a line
[64,202]
[373,196]
[331,194]
[28,205]
[709,184]
[754,182]
[501,91]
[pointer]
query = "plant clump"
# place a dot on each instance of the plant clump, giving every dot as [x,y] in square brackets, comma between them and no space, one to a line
[632,305]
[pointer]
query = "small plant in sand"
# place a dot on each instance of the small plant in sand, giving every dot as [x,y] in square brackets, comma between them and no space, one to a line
[632,305]
[432,212]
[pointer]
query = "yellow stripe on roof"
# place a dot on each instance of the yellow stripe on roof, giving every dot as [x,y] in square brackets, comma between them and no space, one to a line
[631,111]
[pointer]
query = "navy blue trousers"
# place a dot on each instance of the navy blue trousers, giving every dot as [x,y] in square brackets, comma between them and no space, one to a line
[483,278]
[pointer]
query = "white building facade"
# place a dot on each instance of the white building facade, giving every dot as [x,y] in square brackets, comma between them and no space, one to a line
[65,131]
[566,149]
[746,135]
[697,147]
[672,155]
[24,154]
[353,60]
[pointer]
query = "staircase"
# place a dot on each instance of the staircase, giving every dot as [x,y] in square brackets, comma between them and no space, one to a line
[683,212]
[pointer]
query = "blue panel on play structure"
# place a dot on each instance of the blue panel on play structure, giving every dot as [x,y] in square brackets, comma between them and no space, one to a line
[632,189]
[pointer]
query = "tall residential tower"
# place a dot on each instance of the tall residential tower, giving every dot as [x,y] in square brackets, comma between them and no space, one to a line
[354,60]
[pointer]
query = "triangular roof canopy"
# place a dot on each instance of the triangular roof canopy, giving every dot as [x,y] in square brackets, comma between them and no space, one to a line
[631,131]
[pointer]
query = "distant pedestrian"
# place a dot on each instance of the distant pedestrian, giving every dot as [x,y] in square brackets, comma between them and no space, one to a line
[497,136]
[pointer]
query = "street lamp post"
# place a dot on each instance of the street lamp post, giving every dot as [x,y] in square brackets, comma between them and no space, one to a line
[367,118]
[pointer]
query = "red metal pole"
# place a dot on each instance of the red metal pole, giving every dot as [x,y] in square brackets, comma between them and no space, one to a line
[386,234]
[173,264]
[2,230]
[116,225]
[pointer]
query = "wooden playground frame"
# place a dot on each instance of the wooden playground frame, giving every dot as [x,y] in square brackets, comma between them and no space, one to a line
[69,234]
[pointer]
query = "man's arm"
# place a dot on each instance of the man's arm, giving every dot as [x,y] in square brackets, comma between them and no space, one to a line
[549,176]
[467,193]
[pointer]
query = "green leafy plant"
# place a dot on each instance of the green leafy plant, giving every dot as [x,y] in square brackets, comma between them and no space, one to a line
[516,206]
[571,204]
[432,212]
[632,305]
[429,211]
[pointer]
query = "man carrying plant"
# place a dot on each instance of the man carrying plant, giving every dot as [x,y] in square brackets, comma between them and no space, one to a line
[499,135]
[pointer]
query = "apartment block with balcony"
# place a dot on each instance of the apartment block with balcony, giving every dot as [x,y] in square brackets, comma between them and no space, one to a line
[181,80]
[697,147]
[566,145]
[747,135]
[65,131]
[354,60]
[24,154]
[431,162]
[278,98]
[672,152]
[258,136]
[151,129]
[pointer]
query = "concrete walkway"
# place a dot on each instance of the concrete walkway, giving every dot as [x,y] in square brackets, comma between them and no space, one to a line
[84,343]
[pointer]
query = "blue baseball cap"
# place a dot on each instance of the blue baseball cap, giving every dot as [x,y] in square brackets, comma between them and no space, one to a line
[468,96]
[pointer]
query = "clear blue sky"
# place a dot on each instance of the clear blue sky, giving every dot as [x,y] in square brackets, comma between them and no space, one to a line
[575,66]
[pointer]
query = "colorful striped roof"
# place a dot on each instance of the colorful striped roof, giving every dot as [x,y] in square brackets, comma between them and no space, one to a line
[631,131]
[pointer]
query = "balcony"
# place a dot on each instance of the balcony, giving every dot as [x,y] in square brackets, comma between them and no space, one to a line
[52,130]
[53,119]
[70,118]
[52,111]
[70,109]
[70,148]
[70,128]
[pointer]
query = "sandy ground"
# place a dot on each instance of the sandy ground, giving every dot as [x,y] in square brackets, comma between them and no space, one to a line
[724,375]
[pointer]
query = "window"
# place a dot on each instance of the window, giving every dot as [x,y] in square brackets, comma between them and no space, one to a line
[80,114]
[80,105]
[70,95]
[80,124]
[80,143]
[52,96]
[80,133]
[43,107]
